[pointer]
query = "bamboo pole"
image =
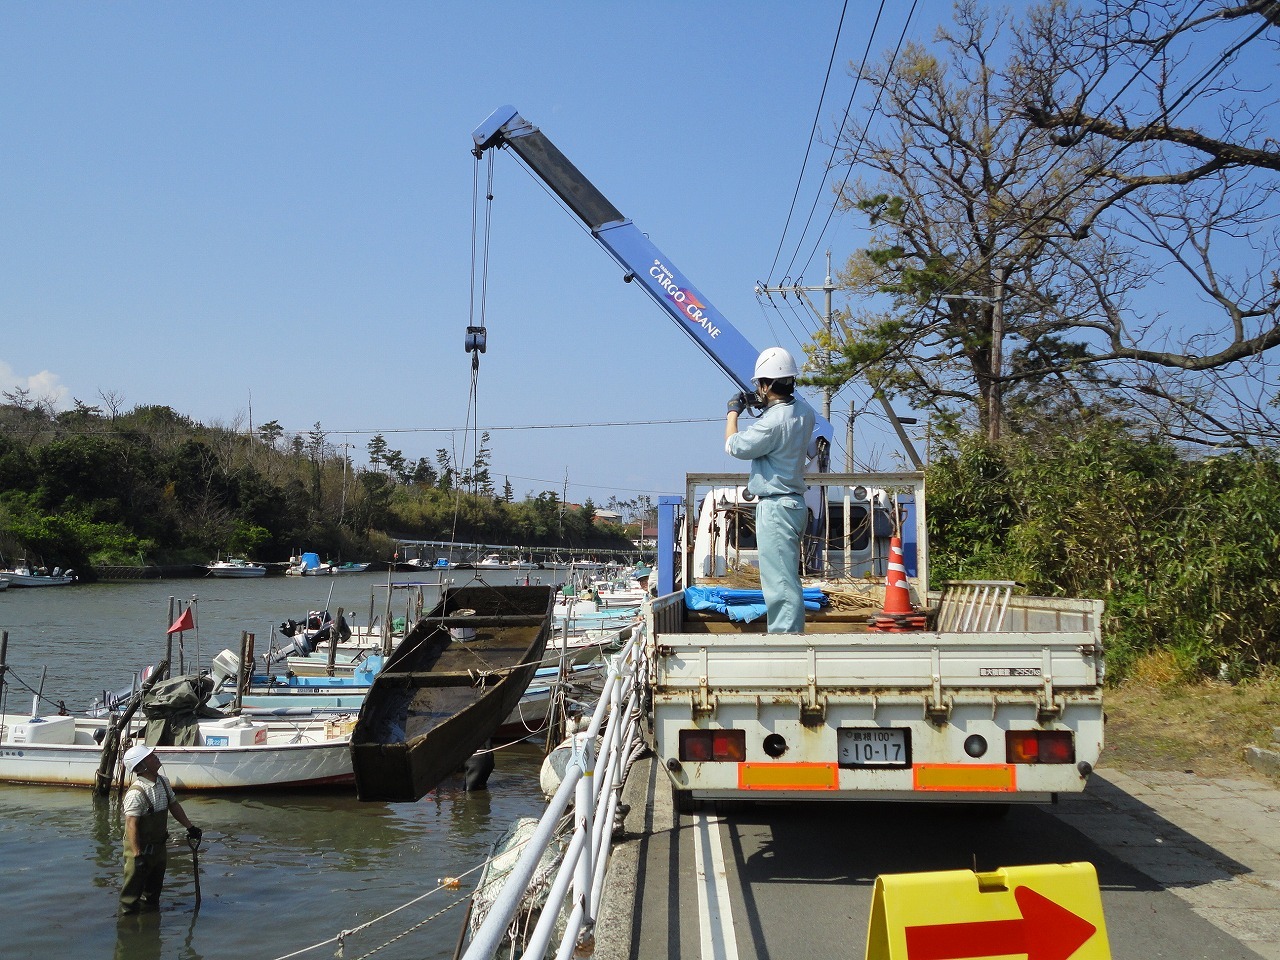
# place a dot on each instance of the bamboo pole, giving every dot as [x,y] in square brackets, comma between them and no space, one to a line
[111,743]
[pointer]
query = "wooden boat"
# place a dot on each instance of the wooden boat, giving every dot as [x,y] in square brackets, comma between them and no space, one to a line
[447,687]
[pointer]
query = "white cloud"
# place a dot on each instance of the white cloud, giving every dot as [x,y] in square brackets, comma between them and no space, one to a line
[42,386]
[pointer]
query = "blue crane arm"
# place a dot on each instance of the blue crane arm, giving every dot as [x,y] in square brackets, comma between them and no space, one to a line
[630,248]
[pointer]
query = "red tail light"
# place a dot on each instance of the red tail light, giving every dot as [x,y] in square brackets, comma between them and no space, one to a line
[703,745]
[1040,746]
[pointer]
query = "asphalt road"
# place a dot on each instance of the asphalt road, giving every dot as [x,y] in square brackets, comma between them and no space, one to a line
[1187,868]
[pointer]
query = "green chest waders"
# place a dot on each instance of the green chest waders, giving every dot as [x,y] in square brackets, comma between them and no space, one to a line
[144,874]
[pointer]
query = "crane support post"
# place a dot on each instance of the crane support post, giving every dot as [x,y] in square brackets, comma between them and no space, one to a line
[638,257]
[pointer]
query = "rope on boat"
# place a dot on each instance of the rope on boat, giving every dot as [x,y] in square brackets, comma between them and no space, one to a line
[11,675]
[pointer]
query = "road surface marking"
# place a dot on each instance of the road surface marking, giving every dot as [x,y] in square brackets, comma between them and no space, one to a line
[715,913]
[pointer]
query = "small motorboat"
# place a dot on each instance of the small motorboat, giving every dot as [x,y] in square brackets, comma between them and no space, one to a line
[201,749]
[24,575]
[236,567]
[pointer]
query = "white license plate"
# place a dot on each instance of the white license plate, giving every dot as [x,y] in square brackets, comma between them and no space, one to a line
[873,747]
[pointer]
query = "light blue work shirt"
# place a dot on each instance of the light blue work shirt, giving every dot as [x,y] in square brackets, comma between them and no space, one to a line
[776,445]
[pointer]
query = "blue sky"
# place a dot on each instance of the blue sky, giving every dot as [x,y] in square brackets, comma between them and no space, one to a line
[203,203]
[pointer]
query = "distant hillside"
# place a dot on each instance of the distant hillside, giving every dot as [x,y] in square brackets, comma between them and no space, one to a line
[85,487]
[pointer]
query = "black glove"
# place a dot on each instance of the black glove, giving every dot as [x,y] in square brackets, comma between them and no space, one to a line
[738,402]
[195,833]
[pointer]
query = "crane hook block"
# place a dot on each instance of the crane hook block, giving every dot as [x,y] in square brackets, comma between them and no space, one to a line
[475,339]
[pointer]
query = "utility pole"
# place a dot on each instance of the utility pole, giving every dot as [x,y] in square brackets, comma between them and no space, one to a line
[802,292]
[827,318]
[995,397]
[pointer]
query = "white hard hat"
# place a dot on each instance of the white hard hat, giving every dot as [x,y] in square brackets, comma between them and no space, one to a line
[775,364]
[135,755]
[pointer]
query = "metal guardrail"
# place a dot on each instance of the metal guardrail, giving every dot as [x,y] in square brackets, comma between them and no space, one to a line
[595,786]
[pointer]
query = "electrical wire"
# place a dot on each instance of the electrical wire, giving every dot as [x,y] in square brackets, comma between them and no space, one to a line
[1180,103]
[1218,64]
[813,130]
[871,114]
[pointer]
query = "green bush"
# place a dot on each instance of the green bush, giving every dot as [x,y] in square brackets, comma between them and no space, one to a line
[1180,549]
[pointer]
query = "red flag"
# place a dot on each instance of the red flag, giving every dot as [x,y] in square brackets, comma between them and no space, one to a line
[184,622]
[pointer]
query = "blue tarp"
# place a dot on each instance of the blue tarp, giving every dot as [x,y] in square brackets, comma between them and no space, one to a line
[743,606]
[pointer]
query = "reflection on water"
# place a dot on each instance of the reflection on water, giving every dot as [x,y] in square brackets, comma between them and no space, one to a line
[278,872]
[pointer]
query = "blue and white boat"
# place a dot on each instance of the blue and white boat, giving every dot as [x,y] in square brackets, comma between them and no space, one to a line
[24,574]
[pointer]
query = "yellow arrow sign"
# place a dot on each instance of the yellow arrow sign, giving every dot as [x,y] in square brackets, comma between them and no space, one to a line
[1049,912]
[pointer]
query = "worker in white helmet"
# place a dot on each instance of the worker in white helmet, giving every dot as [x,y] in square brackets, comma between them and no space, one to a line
[776,445]
[147,805]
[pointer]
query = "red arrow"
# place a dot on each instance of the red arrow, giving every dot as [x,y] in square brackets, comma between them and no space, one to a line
[1046,931]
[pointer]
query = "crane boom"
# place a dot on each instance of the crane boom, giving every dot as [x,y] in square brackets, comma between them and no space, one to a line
[632,251]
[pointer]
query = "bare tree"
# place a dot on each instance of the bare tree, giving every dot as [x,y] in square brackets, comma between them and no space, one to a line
[1188,164]
[1020,252]
[113,401]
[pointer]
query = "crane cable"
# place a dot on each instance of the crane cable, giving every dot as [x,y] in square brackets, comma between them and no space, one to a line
[477,332]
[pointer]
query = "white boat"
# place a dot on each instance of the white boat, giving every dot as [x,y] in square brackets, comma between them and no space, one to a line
[236,567]
[23,574]
[350,567]
[492,561]
[308,565]
[236,753]
[623,591]
[529,564]
[587,629]
[529,716]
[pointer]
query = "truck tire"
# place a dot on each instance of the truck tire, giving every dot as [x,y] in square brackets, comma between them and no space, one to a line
[987,811]
[683,801]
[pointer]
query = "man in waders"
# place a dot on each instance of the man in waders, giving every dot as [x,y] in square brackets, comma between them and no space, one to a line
[147,804]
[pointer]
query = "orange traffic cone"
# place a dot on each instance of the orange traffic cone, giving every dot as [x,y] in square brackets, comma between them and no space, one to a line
[897,598]
[898,615]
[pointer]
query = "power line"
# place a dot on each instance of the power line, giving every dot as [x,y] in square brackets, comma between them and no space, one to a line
[875,108]
[817,114]
[528,426]
[588,486]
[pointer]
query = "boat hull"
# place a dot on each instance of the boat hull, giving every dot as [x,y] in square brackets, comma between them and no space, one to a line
[35,580]
[439,699]
[320,759]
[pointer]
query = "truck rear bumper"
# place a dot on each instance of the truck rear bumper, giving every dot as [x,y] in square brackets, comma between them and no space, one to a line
[877,796]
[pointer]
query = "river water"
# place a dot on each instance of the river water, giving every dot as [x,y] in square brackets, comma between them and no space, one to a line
[278,872]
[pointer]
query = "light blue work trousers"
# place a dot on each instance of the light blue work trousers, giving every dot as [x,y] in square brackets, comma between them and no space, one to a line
[780,523]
